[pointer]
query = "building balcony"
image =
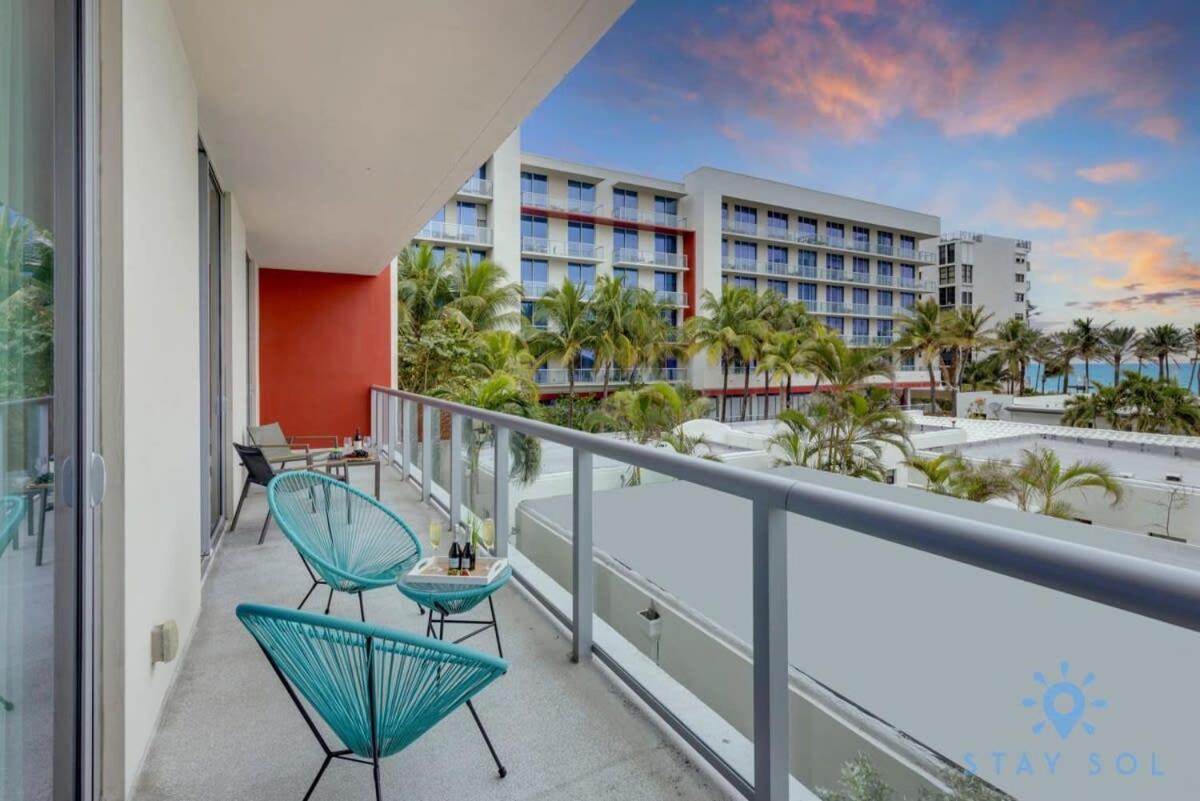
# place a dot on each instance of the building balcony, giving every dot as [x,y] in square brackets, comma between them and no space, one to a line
[671,298]
[534,289]
[806,272]
[480,187]
[648,217]
[587,376]
[585,251]
[453,232]
[569,205]
[777,233]
[649,258]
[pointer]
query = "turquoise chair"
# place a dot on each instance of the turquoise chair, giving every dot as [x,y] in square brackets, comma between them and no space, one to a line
[348,540]
[378,690]
[12,509]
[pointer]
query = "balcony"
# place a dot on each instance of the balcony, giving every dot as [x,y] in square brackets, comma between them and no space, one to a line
[777,233]
[822,274]
[479,187]
[537,246]
[670,297]
[559,376]
[634,215]
[649,258]
[453,232]
[569,205]
[534,289]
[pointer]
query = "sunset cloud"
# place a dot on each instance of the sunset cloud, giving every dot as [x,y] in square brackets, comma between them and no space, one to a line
[1162,126]
[1085,207]
[850,66]
[1111,173]
[1152,264]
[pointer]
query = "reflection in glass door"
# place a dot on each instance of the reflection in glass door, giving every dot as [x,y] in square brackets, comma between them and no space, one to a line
[211,367]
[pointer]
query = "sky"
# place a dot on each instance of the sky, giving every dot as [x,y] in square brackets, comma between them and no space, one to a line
[1073,124]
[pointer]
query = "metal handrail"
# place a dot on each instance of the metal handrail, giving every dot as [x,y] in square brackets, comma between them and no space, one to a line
[1154,590]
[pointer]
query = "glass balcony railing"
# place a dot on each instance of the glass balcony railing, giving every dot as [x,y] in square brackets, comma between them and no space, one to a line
[671,298]
[650,257]
[563,250]
[648,217]
[781,234]
[477,186]
[559,376]
[534,289]
[824,274]
[538,200]
[453,232]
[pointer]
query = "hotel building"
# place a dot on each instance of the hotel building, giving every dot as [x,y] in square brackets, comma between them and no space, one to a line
[978,270]
[855,264]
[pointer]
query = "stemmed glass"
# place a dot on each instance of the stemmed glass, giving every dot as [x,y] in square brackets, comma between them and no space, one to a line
[488,533]
[435,534]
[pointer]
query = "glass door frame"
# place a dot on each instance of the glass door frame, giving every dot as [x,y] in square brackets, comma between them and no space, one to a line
[212,524]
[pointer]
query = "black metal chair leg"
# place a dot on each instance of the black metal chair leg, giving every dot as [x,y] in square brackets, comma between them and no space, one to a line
[312,787]
[329,602]
[41,537]
[266,523]
[238,511]
[378,787]
[362,613]
[308,594]
[496,627]
[503,770]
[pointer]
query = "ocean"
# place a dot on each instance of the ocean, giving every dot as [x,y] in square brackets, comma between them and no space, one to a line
[1103,372]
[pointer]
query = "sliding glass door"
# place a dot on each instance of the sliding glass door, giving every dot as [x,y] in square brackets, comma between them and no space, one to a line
[44,537]
[213,394]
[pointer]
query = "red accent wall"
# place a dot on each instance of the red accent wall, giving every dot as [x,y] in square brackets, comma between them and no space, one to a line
[689,277]
[324,339]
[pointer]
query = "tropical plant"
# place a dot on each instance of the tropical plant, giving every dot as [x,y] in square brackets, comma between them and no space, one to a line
[1015,341]
[1194,357]
[1087,340]
[1137,403]
[501,392]
[966,332]
[723,331]
[424,286]
[1041,481]
[484,296]
[652,413]
[923,336]
[569,332]
[938,471]
[860,781]
[612,316]
[843,433]
[1161,342]
[1118,345]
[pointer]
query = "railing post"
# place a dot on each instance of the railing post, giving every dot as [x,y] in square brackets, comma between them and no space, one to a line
[408,430]
[374,423]
[581,557]
[393,427]
[772,748]
[427,414]
[456,470]
[500,491]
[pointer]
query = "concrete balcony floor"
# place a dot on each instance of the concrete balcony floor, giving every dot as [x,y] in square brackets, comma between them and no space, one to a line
[229,731]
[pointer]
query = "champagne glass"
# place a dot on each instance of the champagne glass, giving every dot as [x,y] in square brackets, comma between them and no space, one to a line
[367,443]
[435,534]
[489,533]
[347,444]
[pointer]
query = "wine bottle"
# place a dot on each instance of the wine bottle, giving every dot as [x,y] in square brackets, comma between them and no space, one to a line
[469,555]
[455,556]
[357,439]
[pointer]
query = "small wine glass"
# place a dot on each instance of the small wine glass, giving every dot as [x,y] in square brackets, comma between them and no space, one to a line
[435,534]
[367,443]
[348,444]
[488,533]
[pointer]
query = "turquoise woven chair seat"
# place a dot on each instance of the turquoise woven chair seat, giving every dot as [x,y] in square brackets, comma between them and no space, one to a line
[379,690]
[452,599]
[347,539]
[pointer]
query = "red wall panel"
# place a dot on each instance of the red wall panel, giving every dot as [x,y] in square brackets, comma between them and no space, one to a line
[324,339]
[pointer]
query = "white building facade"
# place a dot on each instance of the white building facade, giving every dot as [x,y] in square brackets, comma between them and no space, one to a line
[856,265]
[980,270]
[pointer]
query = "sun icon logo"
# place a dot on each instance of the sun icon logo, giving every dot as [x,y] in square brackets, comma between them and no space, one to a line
[1064,702]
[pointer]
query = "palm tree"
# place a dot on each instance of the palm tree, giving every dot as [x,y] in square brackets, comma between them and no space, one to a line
[937,471]
[1194,344]
[1015,342]
[483,295]
[721,329]
[983,481]
[843,434]
[649,414]
[1162,342]
[967,331]
[1118,344]
[502,392]
[1088,341]
[612,309]
[1041,481]
[424,286]
[568,334]
[924,336]
[784,356]
[844,367]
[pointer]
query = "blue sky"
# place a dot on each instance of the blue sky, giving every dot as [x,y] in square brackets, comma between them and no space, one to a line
[1072,124]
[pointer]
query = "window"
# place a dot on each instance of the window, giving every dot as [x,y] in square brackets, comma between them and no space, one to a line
[775,285]
[475,256]
[665,243]
[946,274]
[836,324]
[807,292]
[834,262]
[883,328]
[860,327]
[835,294]
[482,171]
[744,281]
[1020,278]
[946,296]
[581,196]
[533,186]
[626,276]
[862,267]
[745,252]
[625,204]
[968,299]
[1019,297]
[533,228]
[883,240]
[884,270]
[862,238]
[968,274]
[776,259]
[581,239]
[665,209]
[625,239]
[835,233]
[907,300]
[666,282]
[884,298]
[439,216]
[806,226]
[581,275]
[889,477]
[862,297]
[908,362]
[1019,316]
[535,271]
[946,254]
[907,244]
[908,274]
[807,261]
[745,216]
[671,318]
[724,214]
[777,223]
[438,252]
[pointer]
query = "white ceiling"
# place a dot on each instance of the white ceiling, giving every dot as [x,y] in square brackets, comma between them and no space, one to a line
[341,131]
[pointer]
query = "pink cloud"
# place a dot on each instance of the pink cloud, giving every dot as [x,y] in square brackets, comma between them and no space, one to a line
[1150,262]
[1085,207]
[1111,173]
[850,66]
[1162,126]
